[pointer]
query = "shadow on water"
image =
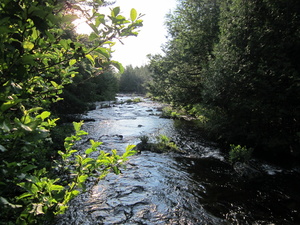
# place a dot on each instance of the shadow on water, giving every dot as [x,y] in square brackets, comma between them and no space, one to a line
[198,187]
[268,199]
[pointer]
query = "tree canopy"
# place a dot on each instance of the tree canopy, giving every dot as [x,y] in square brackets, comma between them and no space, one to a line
[239,60]
[39,56]
[135,80]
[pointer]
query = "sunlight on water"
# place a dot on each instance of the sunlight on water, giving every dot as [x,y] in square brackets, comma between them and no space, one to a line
[198,187]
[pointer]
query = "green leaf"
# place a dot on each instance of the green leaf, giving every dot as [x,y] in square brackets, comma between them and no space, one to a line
[28,59]
[64,43]
[44,115]
[93,36]
[87,160]
[69,18]
[34,109]
[23,126]
[77,126]
[4,30]
[57,187]
[103,51]
[72,62]
[73,151]
[28,168]
[93,27]
[50,36]
[130,147]
[95,144]
[133,15]
[74,193]
[82,178]
[24,195]
[35,33]
[89,57]
[116,170]
[100,20]
[122,19]
[82,132]
[28,45]
[115,11]
[9,104]
[54,83]
[90,150]
[110,43]
[118,65]
[128,153]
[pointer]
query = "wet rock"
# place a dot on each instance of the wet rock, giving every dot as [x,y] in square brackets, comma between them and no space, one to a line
[113,202]
[133,199]
[104,106]
[117,218]
[159,109]
[246,170]
[88,120]
[158,147]
[120,136]
[143,212]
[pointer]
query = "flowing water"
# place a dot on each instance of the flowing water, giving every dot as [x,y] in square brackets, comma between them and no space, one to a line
[197,187]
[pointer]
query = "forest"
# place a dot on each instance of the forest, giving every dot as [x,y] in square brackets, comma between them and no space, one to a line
[231,64]
[237,64]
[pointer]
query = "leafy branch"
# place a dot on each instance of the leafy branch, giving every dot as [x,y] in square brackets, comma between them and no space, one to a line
[45,196]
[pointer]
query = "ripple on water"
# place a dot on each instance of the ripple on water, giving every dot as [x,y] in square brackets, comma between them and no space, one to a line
[198,187]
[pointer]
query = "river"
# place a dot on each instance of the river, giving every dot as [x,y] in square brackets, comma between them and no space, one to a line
[197,187]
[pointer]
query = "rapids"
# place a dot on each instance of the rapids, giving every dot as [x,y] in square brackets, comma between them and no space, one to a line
[197,187]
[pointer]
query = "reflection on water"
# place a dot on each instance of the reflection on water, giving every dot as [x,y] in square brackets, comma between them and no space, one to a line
[198,187]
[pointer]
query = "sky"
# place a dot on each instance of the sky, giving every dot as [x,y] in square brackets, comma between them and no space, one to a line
[151,36]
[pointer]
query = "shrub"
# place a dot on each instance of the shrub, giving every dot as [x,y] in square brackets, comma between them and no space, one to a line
[238,153]
[135,100]
[47,197]
[168,112]
[144,139]
[165,144]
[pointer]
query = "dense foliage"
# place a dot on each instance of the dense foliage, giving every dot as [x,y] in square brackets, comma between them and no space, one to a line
[89,84]
[135,80]
[193,31]
[85,89]
[37,59]
[239,60]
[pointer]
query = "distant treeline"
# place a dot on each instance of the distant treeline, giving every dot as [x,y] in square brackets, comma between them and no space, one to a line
[135,80]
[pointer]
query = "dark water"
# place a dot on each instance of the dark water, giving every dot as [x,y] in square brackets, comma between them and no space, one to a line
[198,187]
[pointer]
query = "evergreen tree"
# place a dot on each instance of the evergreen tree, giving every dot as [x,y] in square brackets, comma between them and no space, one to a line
[253,83]
[135,80]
